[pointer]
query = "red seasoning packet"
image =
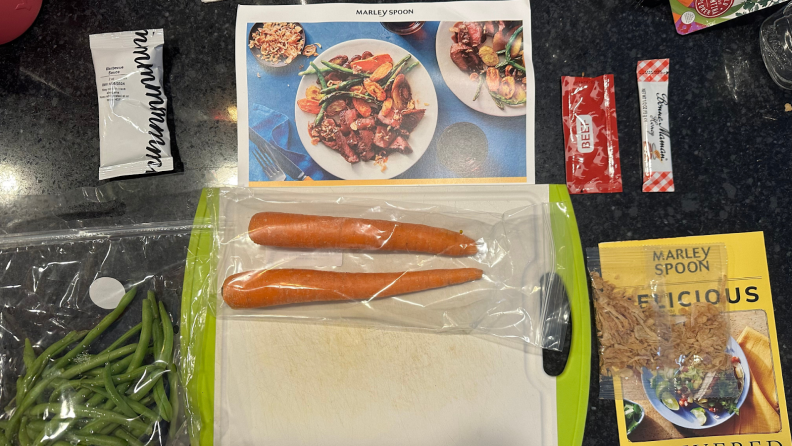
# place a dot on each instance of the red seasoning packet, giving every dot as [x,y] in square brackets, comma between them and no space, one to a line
[592,140]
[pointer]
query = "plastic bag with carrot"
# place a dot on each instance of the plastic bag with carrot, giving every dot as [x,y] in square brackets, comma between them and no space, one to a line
[327,258]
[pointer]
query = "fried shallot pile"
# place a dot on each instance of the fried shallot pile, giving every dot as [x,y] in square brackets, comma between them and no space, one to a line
[632,337]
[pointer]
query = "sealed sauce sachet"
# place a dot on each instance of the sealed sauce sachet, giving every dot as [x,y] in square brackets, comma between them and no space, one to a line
[590,134]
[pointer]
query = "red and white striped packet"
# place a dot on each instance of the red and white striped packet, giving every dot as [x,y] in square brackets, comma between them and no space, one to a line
[655,129]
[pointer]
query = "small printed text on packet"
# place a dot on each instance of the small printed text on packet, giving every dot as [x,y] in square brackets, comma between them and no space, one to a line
[384,12]
[115,89]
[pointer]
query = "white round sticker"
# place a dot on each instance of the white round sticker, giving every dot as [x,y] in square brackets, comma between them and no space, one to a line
[106,292]
[688,17]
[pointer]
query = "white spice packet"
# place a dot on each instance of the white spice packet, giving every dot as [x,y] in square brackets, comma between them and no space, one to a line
[133,130]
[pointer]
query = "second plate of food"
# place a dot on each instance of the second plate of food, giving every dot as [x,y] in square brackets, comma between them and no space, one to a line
[366,131]
[463,50]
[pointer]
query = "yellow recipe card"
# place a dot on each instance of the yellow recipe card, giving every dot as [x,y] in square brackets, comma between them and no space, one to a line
[678,272]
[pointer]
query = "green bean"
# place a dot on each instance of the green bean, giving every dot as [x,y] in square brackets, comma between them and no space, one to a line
[115,396]
[403,71]
[96,331]
[37,425]
[121,365]
[152,297]
[144,411]
[101,390]
[393,77]
[31,375]
[161,398]
[54,429]
[344,70]
[507,53]
[517,66]
[146,400]
[61,443]
[412,65]
[145,337]
[137,360]
[126,377]
[3,424]
[120,341]
[495,98]
[94,427]
[511,42]
[322,80]
[22,406]
[480,83]
[167,330]
[4,440]
[87,412]
[342,86]
[130,439]
[312,71]
[319,116]
[96,440]
[338,94]
[156,335]
[28,355]
[61,388]
[108,429]
[20,393]
[95,372]
[56,348]
[144,387]
[173,379]
[24,439]
[95,400]
[396,70]
[499,98]
[116,367]
[100,360]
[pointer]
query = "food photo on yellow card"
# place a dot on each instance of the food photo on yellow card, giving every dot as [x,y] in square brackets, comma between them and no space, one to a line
[687,341]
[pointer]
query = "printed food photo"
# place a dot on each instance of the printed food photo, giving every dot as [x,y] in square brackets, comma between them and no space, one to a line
[362,105]
[375,102]
[483,64]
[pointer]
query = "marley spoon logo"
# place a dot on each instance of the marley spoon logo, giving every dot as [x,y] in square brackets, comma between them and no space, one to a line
[681,260]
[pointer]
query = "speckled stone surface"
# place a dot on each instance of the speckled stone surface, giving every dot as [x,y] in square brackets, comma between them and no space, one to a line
[732,139]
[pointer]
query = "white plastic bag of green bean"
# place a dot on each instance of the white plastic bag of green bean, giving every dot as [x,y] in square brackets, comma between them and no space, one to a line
[72,372]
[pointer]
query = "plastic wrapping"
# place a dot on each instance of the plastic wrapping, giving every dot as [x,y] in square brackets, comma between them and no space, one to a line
[516,299]
[660,314]
[46,294]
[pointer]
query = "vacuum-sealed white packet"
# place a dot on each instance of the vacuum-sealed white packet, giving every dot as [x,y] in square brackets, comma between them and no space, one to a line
[133,130]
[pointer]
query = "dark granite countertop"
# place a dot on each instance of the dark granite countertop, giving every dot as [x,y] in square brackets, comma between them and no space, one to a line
[732,139]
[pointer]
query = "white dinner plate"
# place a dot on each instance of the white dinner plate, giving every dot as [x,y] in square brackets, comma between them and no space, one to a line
[422,90]
[459,81]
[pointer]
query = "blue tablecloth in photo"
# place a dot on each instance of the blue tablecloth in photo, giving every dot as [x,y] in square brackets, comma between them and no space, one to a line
[276,89]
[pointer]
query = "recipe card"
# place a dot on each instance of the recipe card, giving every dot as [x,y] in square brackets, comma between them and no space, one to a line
[409,93]
[756,414]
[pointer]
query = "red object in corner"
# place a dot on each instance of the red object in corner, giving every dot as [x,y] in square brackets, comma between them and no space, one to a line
[16,16]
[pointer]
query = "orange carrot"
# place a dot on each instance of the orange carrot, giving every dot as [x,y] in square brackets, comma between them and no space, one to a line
[318,232]
[266,288]
[372,63]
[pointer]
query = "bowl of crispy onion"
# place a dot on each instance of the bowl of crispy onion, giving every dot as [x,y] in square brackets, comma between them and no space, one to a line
[276,44]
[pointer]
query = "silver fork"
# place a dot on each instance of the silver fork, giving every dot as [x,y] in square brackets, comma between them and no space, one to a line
[270,167]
